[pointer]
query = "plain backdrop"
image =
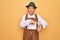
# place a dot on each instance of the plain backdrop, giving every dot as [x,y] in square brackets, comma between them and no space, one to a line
[11,12]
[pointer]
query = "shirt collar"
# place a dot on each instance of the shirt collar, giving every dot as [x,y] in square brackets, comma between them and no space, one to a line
[31,15]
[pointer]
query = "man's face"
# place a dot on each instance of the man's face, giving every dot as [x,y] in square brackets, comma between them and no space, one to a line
[31,10]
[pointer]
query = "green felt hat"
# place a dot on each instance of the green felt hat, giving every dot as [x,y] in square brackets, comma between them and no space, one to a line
[31,4]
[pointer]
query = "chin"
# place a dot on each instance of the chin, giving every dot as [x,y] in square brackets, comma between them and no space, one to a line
[31,14]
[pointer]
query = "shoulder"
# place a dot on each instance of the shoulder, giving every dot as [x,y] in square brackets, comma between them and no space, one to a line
[24,15]
[38,16]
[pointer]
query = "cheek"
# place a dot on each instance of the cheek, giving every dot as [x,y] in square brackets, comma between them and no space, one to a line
[32,9]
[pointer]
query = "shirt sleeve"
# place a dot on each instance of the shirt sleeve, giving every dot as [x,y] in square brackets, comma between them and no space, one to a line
[42,22]
[24,22]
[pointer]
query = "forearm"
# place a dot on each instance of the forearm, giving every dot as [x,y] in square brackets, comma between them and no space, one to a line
[24,23]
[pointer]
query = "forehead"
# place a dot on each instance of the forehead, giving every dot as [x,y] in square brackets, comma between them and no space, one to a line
[30,7]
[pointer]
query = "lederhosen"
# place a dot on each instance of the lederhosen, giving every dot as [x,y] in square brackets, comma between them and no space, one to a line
[31,34]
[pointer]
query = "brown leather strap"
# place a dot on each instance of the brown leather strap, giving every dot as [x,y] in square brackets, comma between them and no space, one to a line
[26,17]
[36,20]
[32,18]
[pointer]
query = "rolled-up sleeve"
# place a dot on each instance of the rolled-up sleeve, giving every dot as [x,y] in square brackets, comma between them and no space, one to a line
[42,22]
[24,22]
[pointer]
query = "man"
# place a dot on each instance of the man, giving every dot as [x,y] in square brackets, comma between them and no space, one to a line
[32,23]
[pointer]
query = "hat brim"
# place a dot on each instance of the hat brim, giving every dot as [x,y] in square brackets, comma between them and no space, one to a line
[32,6]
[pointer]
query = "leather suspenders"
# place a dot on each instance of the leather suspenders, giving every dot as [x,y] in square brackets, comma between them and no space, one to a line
[36,19]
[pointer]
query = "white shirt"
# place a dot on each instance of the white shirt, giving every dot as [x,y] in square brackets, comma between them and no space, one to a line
[25,23]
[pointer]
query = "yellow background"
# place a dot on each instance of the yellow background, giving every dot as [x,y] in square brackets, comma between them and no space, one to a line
[11,12]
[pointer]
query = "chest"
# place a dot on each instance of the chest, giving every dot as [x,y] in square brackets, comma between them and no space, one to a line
[33,17]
